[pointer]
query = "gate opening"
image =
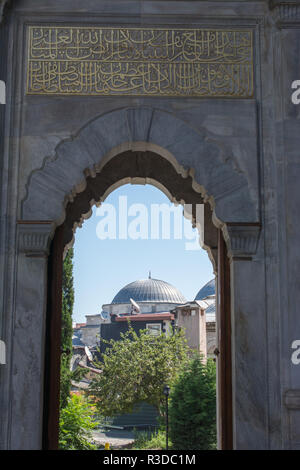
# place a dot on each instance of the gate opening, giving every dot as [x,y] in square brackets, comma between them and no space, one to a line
[146,168]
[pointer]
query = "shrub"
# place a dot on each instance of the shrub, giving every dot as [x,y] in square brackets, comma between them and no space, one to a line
[193,407]
[150,440]
[66,328]
[75,424]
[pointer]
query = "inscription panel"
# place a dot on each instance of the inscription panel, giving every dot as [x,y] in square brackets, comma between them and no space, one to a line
[68,60]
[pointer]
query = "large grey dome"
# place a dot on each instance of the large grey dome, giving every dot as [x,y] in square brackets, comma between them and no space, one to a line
[205,291]
[149,290]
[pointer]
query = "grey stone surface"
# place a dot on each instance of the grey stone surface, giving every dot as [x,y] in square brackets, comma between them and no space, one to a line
[249,355]
[221,183]
[244,157]
[27,348]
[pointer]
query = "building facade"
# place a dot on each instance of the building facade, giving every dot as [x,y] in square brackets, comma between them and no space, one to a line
[161,308]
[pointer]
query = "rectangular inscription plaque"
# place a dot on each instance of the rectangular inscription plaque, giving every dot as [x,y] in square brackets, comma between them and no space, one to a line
[71,60]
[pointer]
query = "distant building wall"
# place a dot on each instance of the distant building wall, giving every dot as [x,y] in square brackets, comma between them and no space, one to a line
[90,335]
[145,307]
[193,321]
[211,338]
[114,329]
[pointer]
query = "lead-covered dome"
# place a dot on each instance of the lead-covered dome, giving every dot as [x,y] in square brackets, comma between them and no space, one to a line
[149,290]
[205,291]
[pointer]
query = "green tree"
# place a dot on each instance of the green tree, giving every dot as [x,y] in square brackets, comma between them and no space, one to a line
[193,406]
[76,423]
[135,369]
[66,331]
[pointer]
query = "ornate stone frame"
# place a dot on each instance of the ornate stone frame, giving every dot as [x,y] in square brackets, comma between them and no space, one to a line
[143,129]
[71,175]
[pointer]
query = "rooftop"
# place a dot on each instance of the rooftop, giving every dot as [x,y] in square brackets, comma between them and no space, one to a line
[149,290]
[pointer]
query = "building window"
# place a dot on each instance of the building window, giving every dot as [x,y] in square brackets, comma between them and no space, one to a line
[153,308]
[154,329]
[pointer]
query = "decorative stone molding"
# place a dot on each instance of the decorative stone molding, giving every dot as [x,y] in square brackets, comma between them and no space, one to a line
[286,13]
[34,238]
[241,239]
[292,399]
[57,182]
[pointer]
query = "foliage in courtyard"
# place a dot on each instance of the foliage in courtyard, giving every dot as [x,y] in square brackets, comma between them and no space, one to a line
[193,406]
[150,440]
[135,369]
[76,423]
[66,331]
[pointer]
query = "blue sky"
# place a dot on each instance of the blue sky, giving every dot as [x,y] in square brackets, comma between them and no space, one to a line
[103,267]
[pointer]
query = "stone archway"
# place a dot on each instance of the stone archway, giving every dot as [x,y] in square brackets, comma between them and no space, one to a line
[135,167]
[242,148]
[141,134]
[215,175]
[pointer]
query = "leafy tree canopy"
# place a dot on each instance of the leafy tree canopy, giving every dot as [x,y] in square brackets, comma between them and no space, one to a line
[76,423]
[66,331]
[135,369]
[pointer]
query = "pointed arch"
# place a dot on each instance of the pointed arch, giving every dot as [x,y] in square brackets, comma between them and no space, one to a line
[142,129]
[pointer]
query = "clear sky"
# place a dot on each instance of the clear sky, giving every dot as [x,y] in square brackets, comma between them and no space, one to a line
[103,266]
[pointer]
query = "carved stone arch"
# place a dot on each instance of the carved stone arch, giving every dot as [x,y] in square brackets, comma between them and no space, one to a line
[130,167]
[142,167]
[142,129]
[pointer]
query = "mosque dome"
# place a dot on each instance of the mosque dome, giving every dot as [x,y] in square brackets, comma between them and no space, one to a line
[205,291]
[149,290]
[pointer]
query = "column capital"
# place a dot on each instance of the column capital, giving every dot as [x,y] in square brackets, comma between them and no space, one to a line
[34,238]
[286,13]
[241,239]
[292,399]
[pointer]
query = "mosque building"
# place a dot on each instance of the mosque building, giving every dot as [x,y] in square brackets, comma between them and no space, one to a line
[150,304]
[157,306]
[153,296]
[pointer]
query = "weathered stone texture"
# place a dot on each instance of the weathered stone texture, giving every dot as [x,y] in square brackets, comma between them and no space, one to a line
[242,156]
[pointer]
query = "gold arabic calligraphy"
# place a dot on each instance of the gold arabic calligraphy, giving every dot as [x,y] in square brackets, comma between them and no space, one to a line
[132,61]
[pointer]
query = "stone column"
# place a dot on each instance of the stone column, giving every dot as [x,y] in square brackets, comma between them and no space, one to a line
[286,39]
[29,335]
[249,337]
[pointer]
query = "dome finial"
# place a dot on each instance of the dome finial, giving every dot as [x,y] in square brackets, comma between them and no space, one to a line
[149,275]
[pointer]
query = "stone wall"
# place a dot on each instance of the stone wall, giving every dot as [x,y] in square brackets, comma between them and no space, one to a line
[240,153]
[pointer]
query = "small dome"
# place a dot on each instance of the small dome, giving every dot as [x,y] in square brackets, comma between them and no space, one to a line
[149,290]
[205,291]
